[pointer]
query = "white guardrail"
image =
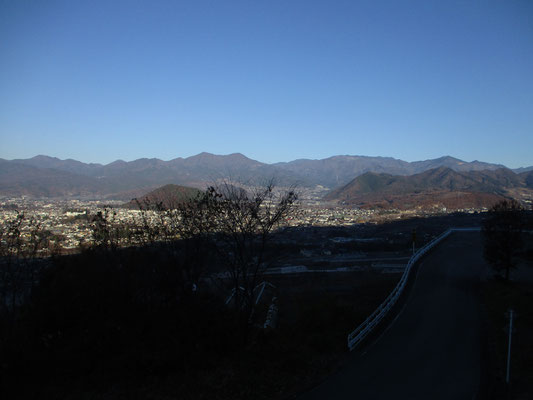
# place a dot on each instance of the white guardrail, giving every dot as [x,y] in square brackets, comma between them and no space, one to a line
[375,318]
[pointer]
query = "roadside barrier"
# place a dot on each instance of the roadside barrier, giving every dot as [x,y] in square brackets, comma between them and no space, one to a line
[375,318]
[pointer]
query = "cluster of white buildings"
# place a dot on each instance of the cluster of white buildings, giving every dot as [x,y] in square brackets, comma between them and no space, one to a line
[68,222]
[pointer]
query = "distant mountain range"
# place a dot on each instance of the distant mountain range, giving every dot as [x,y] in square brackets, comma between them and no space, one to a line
[44,176]
[168,196]
[336,171]
[438,187]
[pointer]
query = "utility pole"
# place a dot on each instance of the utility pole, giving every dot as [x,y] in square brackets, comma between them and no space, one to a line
[512,316]
[414,239]
[507,375]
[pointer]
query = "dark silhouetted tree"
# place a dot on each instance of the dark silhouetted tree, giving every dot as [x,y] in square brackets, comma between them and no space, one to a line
[22,241]
[502,233]
[244,222]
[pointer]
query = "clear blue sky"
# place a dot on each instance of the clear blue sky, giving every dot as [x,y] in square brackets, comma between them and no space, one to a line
[275,80]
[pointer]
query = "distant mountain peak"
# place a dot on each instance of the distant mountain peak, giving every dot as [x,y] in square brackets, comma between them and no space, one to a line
[117,162]
[442,185]
[169,196]
[239,155]
[447,157]
[44,157]
[205,168]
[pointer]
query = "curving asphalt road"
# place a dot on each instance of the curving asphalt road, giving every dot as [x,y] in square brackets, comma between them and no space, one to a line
[433,348]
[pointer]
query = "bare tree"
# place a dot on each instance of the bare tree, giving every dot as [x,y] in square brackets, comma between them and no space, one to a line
[105,232]
[243,224]
[22,240]
[225,222]
[182,228]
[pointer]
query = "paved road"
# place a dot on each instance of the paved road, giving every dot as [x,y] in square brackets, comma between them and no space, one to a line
[432,350]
